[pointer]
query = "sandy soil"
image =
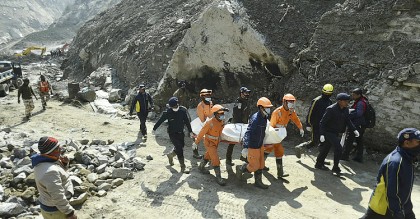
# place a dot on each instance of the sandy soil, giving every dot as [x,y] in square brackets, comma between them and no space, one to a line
[161,191]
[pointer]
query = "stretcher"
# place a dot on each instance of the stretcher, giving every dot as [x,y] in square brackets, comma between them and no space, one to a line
[233,133]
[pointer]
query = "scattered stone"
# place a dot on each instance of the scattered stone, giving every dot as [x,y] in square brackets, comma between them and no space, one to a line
[84,141]
[19,178]
[79,200]
[101,193]
[10,209]
[76,145]
[123,173]
[30,180]
[105,175]
[10,147]
[92,177]
[149,157]
[29,193]
[26,169]
[7,130]
[101,169]
[81,189]
[117,182]
[121,155]
[6,163]
[105,186]
[1,193]
[23,162]
[138,164]
[75,180]
[19,153]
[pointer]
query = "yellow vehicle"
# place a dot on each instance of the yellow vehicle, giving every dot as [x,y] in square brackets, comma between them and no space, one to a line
[28,50]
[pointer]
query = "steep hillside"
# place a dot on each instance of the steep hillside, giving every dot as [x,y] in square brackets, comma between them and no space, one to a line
[273,47]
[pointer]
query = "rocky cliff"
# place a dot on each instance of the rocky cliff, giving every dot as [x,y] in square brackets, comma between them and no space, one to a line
[21,17]
[273,47]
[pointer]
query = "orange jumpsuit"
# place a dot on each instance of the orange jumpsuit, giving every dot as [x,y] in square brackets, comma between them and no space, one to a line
[204,111]
[281,116]
[211,132]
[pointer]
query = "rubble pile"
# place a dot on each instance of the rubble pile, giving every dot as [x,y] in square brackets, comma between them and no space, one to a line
[96,166]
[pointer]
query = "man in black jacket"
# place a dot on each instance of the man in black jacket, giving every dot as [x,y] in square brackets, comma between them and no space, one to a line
[315,113]
[334,122]
[241,113]
[141,105]
[177,117]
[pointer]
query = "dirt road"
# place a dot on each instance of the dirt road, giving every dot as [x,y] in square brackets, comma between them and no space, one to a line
[160,191]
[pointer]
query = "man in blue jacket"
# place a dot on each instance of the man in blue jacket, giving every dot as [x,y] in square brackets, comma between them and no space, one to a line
[391,197]
[332,124]
[253,143]
[357,116]
[141,105]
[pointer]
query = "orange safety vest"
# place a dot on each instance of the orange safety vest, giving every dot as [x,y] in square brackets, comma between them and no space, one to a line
[44,86]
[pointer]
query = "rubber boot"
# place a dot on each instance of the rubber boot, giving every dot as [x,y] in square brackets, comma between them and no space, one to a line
[242,172]
[219,178]
[258,180]
[280,172]
[171,156]
[196,155]
[182,163]
[229,155]
[202,167]
[265,158]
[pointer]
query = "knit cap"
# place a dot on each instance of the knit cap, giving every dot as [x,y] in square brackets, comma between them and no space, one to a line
[47,145]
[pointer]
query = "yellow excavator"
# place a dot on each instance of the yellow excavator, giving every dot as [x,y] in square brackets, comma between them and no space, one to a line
[28,50]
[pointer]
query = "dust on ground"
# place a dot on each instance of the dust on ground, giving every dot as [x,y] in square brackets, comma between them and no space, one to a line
[161,191]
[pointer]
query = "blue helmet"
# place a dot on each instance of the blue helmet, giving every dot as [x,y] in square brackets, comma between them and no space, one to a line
[173,101]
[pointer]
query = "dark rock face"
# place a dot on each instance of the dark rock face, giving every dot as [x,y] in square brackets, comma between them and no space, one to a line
[355,43]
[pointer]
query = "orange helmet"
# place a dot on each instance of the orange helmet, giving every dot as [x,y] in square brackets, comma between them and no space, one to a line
[264,102]
[219,109]
[289,97]
[204,92]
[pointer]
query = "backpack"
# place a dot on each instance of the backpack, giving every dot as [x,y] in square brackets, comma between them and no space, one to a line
[44,86]
[370,115]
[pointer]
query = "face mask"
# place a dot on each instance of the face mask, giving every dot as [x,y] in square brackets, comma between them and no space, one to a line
[290,105]
[222,117]
[267,110]
[208,99]
[175,109]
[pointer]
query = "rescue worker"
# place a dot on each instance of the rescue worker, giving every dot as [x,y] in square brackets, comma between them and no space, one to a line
[315,113]
[44,91]
[143,104]
[357,116]
[203,112]
[177,117]
[211,132]
[52,180]
[391,197]
[241,113]
[183,95]
[279,119]
[26,92]
[334,122]
[253,143]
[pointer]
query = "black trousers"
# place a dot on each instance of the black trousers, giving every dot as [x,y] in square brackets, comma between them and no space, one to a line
[177,139]
[142,117]
[370,214]
[349,143]
[314,138]
[331,140]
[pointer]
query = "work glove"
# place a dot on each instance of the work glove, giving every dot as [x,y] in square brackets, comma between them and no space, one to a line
[356,133]
[244,152]
[192,135]
[351,110]
[194,146]
[322,138]
[302,133]
[308,128]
